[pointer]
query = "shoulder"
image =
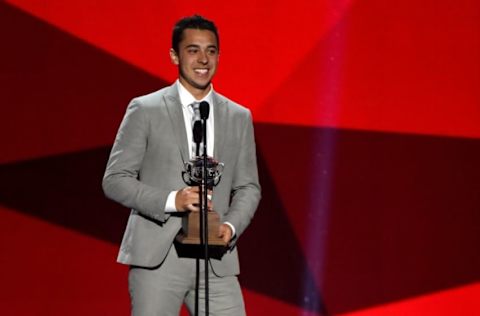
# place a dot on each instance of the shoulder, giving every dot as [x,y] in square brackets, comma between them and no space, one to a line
[156,98]
[232,106]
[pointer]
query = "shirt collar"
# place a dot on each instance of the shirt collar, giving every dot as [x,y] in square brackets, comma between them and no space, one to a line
[186,98]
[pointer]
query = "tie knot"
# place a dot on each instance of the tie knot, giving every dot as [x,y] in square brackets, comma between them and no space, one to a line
[195,110]
[195,106]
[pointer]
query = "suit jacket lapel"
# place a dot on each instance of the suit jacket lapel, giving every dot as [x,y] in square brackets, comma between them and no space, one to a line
[220,109]
[174,109]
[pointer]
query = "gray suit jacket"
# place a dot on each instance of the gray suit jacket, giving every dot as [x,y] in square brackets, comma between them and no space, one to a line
[146,163]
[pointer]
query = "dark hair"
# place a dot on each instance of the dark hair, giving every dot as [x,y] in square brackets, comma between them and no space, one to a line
[192,22]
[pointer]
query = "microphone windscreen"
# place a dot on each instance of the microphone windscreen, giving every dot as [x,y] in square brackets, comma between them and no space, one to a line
[204,110]
[197,132]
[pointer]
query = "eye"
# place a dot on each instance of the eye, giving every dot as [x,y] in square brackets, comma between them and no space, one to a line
[192,50]
[212,51]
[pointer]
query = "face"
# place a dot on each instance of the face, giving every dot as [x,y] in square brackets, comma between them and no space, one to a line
[197,60]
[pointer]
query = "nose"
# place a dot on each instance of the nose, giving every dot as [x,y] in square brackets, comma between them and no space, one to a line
[202,58]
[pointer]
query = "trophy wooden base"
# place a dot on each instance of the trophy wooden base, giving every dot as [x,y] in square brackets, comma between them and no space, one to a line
[190,232]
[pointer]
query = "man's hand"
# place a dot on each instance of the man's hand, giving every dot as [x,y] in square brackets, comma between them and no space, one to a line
[188,199]
[225,232]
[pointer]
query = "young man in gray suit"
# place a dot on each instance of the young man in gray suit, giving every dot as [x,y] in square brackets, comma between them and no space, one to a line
[144,173]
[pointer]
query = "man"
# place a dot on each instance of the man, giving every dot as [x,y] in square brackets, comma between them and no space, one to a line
[144,173]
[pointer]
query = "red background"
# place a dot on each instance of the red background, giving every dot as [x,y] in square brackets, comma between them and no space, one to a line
[377,103]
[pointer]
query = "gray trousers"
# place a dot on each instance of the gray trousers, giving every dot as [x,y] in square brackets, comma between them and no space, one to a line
[162,291]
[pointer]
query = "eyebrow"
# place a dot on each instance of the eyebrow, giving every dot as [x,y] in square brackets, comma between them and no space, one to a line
[198,46]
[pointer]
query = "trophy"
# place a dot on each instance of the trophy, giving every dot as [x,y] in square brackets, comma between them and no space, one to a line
[193,176]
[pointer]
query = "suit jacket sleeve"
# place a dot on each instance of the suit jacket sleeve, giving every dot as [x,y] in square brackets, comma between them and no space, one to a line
[245,194]
[121,180]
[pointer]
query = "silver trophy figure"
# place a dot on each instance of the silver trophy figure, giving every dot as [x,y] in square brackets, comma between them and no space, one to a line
[193,173]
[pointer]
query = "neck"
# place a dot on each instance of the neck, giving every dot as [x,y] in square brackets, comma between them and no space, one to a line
[197,93]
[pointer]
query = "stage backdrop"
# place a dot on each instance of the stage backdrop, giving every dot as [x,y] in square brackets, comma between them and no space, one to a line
[367,120]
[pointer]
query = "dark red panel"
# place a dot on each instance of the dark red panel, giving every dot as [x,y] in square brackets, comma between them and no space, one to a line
[58,93]
[380,217]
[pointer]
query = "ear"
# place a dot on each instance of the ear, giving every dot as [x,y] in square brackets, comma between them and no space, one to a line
[174,57]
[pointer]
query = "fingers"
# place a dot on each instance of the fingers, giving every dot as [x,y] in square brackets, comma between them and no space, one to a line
[225,232]
[188,199]
[192,207]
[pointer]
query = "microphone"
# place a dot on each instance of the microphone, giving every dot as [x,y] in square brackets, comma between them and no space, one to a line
[197,132]
[204,110]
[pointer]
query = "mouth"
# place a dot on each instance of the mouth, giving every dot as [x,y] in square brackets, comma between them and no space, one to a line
[201,71]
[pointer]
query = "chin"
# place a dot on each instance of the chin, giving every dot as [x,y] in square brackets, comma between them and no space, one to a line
[202,86]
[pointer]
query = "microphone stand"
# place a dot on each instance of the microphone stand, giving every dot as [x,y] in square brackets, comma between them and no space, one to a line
[204,210]
[197,137]
[203,188]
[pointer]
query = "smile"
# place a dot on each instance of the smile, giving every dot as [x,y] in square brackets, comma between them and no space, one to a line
[201,71]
